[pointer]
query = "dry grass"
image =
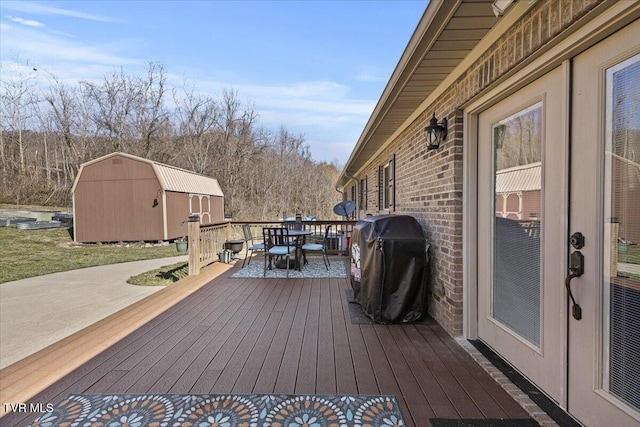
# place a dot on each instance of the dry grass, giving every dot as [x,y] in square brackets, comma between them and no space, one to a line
[161,276]
[29,253]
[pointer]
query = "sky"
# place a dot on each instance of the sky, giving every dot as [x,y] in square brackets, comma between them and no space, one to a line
[316,68]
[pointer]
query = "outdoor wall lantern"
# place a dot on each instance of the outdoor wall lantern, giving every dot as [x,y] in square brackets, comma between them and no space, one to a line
[435,133]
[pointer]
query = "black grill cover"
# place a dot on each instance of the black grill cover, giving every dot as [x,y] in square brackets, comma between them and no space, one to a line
[389,268]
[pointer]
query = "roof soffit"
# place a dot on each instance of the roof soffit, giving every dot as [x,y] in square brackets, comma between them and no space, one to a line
[431,22]
[447,32]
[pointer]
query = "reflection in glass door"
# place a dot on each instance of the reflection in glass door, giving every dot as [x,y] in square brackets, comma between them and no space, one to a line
[517,154]
[621,270]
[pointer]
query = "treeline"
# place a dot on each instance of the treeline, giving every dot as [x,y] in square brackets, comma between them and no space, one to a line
[48,131]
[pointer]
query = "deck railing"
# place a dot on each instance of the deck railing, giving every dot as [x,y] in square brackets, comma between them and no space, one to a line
[206,241]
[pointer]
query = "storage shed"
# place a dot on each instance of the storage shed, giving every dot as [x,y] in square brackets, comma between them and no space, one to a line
[120,197]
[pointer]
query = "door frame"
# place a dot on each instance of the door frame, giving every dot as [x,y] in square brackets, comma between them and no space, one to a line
[543,362]
[591,331]
[595,26]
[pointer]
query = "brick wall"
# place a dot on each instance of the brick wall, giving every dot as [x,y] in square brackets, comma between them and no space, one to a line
[429,183]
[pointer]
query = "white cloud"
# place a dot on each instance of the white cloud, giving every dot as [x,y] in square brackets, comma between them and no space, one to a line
[325,112]
[45,47]
[297,98]
[309,104]
[329,127]
[321,111]
[27,22]
[322,120]
[366,76]
[42,9]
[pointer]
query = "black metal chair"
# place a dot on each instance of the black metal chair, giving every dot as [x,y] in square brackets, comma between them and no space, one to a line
[251,243]
[319,247]
[294,225]
[278,245]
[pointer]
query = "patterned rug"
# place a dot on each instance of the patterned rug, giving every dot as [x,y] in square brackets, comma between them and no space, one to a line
[223,410]
[315,269]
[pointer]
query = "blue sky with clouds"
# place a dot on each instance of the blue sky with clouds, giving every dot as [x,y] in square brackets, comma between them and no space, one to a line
[314,67]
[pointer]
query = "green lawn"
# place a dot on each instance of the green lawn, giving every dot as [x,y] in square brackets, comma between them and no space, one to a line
[29,253]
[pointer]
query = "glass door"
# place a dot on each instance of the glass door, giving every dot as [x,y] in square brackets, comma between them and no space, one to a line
[604,346]
[522,194]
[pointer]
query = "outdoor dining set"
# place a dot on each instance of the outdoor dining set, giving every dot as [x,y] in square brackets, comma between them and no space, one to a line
[284,247]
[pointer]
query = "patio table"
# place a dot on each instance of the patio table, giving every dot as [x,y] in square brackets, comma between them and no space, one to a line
[297,234]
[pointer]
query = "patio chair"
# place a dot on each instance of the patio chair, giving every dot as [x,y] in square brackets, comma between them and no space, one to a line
[252,243]
[278,245]
[319,247]
[294,225]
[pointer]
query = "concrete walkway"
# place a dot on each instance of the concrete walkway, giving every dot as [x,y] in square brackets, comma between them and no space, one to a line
[39,311]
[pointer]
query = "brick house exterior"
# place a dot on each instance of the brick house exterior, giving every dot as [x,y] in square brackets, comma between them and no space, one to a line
[429,183]
[433,186]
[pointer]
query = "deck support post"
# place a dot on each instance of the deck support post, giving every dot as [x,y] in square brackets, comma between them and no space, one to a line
[193,231]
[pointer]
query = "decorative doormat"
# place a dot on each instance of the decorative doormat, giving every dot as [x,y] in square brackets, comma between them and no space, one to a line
[315,269]
[229,410]
[516,422]
[357,316]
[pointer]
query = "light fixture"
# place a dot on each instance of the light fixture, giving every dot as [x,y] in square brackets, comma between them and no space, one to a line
[500,6]
[435,133]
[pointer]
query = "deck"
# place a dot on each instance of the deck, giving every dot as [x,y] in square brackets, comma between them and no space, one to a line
[288,336]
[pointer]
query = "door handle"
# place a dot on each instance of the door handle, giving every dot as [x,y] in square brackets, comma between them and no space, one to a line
[576,269]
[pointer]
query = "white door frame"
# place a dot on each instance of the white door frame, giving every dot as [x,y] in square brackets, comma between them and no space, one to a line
[591,399]
[605,20]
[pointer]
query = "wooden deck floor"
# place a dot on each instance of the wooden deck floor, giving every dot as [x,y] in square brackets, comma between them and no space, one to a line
[289,336]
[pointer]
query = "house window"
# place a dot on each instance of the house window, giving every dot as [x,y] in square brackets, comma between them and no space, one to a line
[386,181]
[363,194]
[354,192]
[386,185]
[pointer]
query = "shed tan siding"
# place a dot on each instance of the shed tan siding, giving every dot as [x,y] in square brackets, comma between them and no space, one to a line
[114,201]
[217,209]
[177,212]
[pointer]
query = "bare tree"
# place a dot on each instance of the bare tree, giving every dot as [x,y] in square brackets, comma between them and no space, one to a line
[235,146]
[45,135]
[196,117]
[17,109]
[114,101]
[65,111]
[151,114]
